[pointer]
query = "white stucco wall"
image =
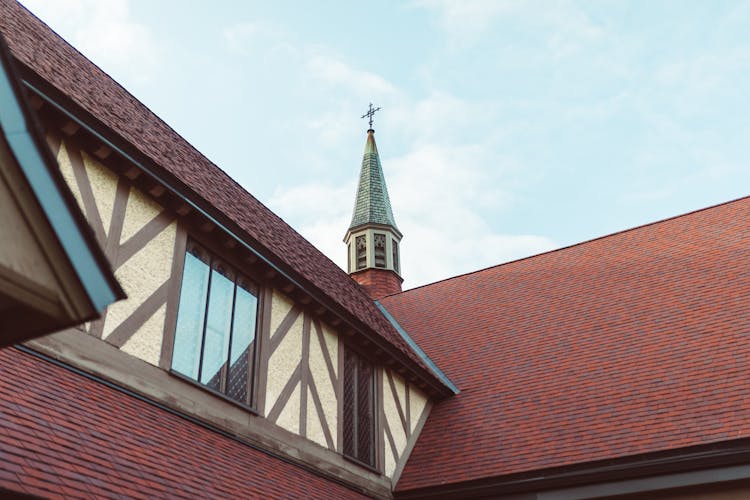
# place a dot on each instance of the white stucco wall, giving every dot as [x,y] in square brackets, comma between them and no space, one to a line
[412,407]
[283,361]
[146,270]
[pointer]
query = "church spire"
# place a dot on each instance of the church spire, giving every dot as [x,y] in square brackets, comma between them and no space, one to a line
[372,238]
[372,205]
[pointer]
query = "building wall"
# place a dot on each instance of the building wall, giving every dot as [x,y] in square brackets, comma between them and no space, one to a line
[302,393]
[299,384]
[138,236]
[403,412]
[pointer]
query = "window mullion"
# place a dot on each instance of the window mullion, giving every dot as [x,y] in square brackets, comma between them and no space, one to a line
[225,375]
[252,355]
[205,316]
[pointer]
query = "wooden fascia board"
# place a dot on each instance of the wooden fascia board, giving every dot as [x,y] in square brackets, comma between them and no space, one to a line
[663,469]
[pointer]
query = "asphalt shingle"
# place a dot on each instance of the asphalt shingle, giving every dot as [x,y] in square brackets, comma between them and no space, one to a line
[632,343]
[372,204]
[66,436]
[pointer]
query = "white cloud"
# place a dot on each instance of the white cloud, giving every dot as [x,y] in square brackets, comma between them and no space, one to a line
[442,197]
[346,88]
[310,202]
[440,117]
[431,254]
[439,197]
[318,214]
[105,33]
[336,72]
[571,30]
[567,29]
[466,21]
[246,37]
[706,76]
[312,60]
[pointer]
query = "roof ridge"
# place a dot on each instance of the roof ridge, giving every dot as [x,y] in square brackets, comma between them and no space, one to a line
[573,245]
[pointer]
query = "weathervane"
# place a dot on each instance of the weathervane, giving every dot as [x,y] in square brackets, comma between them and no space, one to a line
[370,113]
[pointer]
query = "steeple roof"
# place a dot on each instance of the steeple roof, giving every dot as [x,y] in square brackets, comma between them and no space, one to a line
[372,205]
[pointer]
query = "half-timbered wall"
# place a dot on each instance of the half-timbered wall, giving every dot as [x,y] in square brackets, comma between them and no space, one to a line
[302,386]
[404,409]
[299,387]
[138,236]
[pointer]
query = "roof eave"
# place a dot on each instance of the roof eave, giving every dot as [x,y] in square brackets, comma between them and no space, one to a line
[664,469]
[367,225]
[437,372]
[33,156]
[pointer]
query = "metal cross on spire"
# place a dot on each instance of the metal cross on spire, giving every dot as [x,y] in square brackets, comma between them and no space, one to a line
[370,113]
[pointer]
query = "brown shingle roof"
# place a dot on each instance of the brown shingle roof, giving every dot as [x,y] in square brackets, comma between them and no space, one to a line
[628,344]
[47,54]
[62,434]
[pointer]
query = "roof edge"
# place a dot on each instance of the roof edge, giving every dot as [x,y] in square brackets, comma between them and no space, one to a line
[418,350]
[680,462]
[373,225]
[573,245]
[75,237]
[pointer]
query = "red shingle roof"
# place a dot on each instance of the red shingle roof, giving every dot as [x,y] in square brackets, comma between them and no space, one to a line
[628,344]
[62,434]
[37,46]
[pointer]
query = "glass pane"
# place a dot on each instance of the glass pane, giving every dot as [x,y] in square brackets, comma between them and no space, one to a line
[350,368]
[190,315]
[365,413]
[218,322]
[241,350]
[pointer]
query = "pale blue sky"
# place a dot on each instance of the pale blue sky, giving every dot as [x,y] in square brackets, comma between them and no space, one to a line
[507,128]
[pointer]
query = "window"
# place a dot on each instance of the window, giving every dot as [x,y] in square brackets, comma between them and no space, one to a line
[360,246]
[359,409]
[214,340]
[379,250]
[394,244]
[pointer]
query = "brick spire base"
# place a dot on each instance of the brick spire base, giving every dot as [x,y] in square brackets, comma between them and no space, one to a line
[378,282]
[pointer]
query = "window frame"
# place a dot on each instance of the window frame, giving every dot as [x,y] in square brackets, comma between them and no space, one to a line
[380,253]
[376,402]
[395,256]
[360,253]
[254,374]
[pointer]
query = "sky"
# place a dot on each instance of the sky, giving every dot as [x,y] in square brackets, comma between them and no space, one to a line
[507,128]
